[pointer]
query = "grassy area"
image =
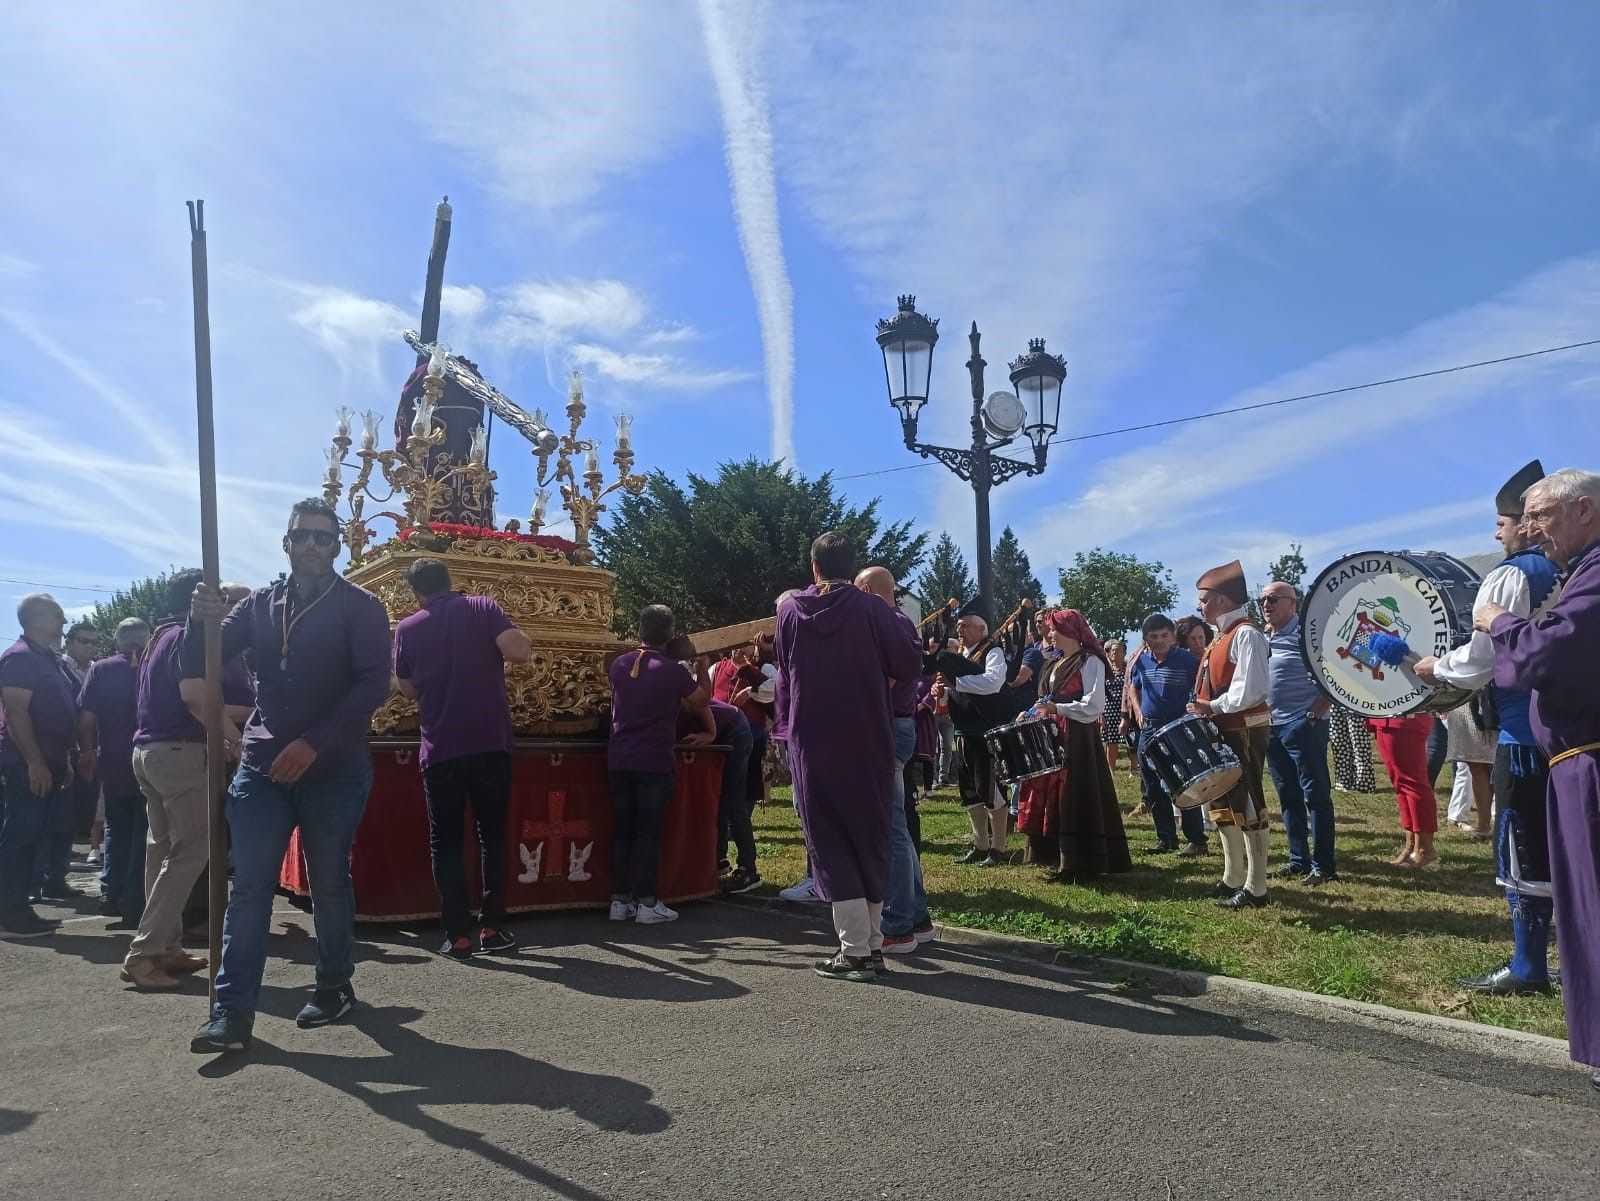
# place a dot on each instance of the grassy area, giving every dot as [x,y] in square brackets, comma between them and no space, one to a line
[1379,933]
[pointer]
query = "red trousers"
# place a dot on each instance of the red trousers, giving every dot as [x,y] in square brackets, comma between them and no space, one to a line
[1403,747]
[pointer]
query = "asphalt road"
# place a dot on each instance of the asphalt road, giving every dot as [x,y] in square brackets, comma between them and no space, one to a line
[704,1059]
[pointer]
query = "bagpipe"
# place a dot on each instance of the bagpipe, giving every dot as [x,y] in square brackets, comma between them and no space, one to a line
[1013,635]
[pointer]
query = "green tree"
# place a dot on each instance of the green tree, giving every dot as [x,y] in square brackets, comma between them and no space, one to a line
[1289,567]
[1013,575]
[146,598]
[946,576]
[722,549]
[1115,591]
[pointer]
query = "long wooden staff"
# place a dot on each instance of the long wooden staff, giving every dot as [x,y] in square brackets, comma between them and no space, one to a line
[216,755]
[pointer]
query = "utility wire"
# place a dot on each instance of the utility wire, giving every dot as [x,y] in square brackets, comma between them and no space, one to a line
[6,579]
[1265,404]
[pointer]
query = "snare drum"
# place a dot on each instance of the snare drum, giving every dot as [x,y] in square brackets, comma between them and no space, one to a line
[1192,762]
[1423,597]
[1027,747]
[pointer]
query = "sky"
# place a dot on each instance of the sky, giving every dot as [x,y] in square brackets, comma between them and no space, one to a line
[705,207]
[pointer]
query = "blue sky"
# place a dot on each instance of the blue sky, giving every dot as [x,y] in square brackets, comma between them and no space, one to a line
[706,207]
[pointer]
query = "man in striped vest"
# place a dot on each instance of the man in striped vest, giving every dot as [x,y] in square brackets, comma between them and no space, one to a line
[1231,690]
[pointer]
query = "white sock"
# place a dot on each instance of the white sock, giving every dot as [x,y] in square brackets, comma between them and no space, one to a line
[978,815]
[853,921]
[1255,846]
[875,917]
[1233,854]
[997,828]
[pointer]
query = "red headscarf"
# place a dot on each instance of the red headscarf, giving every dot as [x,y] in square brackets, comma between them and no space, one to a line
[1074,625]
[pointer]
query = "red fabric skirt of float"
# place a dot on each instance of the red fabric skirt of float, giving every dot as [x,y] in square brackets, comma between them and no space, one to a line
[558,849]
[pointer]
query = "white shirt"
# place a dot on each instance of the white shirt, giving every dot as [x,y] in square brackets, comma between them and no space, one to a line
[768,688]
[990,680]
[1248,653]
[1092,705]
[1471,665]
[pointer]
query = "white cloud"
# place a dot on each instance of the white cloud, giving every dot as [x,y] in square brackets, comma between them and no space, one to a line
[350,327]
[734,35]
[463,304]
[15,267]
[655,370]
[553,309]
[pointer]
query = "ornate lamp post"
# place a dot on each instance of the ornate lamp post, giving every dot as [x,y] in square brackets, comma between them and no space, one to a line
[907,340]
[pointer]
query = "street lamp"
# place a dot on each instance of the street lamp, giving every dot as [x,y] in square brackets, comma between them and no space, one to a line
[907,340]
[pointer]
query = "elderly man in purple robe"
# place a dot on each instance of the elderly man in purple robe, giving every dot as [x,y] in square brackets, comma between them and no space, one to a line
[321,650]
[1555,656]
[837,649]
[906,923]
[450,657]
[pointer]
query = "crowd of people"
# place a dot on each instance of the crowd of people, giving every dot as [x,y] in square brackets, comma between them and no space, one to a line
[845,698]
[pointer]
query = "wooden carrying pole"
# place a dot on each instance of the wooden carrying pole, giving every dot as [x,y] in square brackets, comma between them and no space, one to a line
[216,754]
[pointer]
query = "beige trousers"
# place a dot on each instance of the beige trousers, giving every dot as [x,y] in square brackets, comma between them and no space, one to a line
[172,776]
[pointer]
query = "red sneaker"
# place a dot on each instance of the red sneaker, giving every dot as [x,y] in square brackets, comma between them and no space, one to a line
[899,944]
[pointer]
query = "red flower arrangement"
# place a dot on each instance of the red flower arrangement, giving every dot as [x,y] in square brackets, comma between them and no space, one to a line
[445,529]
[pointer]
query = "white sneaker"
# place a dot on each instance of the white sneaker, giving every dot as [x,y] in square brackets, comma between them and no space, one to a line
[649,915]
[803,892]
[621,911]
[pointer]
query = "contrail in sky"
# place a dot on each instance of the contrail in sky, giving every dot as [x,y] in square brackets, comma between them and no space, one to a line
[730,27]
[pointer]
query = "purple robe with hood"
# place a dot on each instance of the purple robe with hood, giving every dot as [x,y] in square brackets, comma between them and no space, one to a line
[1557,656]
[836,648]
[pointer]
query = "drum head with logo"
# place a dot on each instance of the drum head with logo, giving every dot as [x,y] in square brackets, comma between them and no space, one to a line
[1426,599]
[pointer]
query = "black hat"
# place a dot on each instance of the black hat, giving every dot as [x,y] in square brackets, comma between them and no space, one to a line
[979,608]
[1508,501]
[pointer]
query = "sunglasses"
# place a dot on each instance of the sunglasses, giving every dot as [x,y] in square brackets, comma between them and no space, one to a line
[322,538]
[1272,600]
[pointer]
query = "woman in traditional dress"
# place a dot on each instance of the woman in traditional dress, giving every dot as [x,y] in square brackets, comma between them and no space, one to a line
[1071,816]
[1111,723]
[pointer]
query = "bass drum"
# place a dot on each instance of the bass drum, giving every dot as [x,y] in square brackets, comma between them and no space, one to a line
[1423,597]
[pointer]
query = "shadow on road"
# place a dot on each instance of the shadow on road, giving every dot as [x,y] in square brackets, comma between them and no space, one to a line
[14,1120]
[419,1074]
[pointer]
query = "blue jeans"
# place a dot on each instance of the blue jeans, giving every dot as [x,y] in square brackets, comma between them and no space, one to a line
[1297,757]
[1154,794]
[733,811]
[261,817]
[905,904]
[23,829]
[122,868]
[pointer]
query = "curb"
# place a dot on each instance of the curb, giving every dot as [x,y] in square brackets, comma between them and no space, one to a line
[1480,1038]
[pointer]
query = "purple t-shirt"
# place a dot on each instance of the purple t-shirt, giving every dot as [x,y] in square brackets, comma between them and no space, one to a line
[903,693]
[447,650]
[647,689]
[159,712]
[53,705]
[110,693]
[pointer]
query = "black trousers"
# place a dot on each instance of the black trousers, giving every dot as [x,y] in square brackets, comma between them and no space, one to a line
[913,818]
[975,772]
[1521,800]
[484,780]
[639,801]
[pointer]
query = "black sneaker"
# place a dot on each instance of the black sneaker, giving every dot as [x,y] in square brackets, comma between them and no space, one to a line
[494,941]
[741,880]
[327,1005]
[1290,871]
[227,1031]
[25,924]
[995,859]
[456,948]
[1162,848]
[1316,879]
[1245,899]
[723,867]
[878,965]
[972,856]
[847,967]
[1222,890]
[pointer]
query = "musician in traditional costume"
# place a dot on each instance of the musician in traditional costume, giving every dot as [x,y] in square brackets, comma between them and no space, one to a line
[1071,816]
[1525,585]
[1553,656]
[1231,690]
[977,705]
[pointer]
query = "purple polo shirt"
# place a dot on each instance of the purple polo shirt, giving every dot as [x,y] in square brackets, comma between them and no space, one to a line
[110,692]
[53,707]
[903,693]
[324,687]
[447,650]
[647,689]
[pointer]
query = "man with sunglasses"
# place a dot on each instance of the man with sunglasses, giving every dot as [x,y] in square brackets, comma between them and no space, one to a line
[1297,747]
[322,655]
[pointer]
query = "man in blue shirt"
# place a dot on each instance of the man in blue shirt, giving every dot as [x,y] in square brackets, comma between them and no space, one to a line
[1297,752]
[1162,679]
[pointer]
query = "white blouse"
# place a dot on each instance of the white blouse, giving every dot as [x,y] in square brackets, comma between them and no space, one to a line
[1092,706]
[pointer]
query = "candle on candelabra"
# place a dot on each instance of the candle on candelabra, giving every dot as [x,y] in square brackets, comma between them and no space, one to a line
[540,504]
[575,386]
[540,418]
[343,413]
[335,461]
[624,432]
[369,430]
[436,361]
[592,459]
[422,424]
[479,451]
